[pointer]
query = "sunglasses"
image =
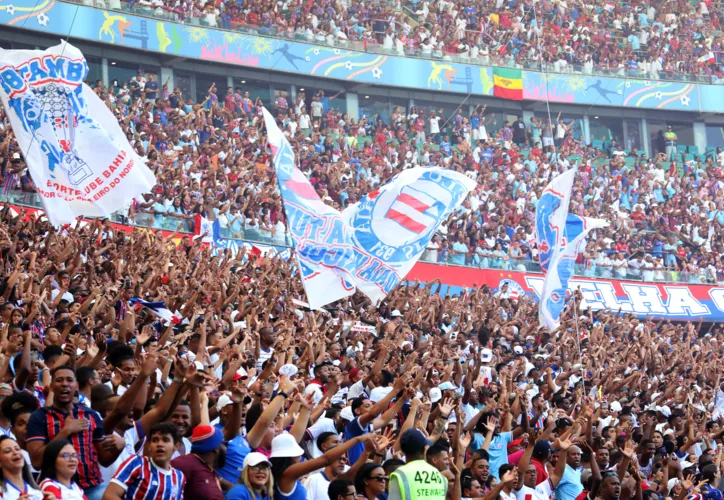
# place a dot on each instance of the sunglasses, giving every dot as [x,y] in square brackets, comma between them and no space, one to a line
[381,479]
[260,467]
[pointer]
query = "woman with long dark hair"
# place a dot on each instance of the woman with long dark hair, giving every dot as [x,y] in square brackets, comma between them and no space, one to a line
[60,464]
[287,468]
[15,477]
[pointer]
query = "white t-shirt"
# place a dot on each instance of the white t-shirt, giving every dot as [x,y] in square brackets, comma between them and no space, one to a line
[358,388]
[11,492]
[66,296]
[541,492]
[322,425]
[434,124]
[304,121]
[317,485]
[263,356]
[132,437]
[61,491]
[315,389]
[186,450]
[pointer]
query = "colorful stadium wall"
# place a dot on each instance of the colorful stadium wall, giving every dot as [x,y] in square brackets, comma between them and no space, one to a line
[197,42]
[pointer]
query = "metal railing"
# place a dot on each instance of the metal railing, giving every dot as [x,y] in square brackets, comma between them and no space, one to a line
[372,47]
[185,226]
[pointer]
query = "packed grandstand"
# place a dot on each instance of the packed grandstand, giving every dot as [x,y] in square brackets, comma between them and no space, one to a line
[150,364]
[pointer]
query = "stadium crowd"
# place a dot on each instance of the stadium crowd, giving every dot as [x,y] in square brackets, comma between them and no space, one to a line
[660,39]
[244,393]
[665,211]
[137,365]
[667,206]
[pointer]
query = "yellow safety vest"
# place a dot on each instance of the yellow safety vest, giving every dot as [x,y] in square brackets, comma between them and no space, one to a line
[419,479]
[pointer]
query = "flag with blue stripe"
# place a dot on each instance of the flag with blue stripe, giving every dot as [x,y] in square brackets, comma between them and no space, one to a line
[374,243]
[560,236]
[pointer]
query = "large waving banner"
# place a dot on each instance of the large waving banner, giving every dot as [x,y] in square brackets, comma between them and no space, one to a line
[560,236]
[78,156]
[393,225]
[374,243]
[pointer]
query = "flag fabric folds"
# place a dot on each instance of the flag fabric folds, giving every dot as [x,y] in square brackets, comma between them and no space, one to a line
[374,243]
[508,83]
[78,156]
[560,237]
[157,308]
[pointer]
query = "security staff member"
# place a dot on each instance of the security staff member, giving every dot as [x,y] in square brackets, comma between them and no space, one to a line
[416,479]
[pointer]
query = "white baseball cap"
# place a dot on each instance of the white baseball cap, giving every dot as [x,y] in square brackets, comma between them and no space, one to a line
[435,395]
[396,313]
[486,355]
[223,402]
[347,414]
[255,458]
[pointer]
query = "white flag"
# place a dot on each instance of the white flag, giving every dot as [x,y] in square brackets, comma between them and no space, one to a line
[78,156]
[393,225]
[373,244]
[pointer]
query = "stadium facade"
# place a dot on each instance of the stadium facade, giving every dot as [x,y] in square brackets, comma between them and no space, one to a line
[117,43]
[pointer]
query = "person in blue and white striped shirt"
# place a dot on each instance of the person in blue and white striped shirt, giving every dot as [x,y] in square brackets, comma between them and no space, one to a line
[150,477]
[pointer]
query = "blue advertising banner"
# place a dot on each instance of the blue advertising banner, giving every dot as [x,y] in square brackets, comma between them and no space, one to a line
[210,44]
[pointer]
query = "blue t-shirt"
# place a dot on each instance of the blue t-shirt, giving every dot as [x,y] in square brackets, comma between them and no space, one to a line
[299,492]
[570,485]
[351,431]
[241,492]
[236,451]
[498,450]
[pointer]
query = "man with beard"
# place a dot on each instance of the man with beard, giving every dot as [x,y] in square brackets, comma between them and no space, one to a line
[611,487]
[208,453]
[77,423]
[317,385]
[139,477]
[480,470]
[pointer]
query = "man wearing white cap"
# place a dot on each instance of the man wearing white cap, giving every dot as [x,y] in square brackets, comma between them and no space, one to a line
[334,421]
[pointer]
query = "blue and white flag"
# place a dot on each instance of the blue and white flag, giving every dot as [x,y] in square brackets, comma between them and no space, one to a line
[393,225]
[78,156]
[560,237]
[374,243]
[157,308]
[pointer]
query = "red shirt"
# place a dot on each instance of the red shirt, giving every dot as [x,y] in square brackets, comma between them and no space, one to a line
[541,470]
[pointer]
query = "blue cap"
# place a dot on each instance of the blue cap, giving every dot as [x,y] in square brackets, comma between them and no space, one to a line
[413,442]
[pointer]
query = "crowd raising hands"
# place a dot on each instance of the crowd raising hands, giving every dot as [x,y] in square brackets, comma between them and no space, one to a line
[247,393]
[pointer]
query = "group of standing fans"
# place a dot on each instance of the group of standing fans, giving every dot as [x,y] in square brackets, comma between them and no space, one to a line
[247,394]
